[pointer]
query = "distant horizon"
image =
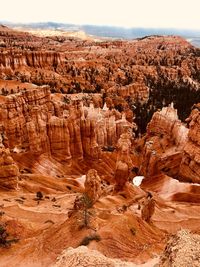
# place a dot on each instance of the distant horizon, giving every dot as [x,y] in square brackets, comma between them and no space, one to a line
[8,22]
[107,31]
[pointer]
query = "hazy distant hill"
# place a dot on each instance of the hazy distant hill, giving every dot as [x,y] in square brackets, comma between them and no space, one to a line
[113,32]
[195,41]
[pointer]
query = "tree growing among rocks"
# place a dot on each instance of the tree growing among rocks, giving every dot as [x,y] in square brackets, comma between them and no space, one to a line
[84,202]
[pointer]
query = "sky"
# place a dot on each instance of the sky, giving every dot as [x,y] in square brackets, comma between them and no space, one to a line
[125,13]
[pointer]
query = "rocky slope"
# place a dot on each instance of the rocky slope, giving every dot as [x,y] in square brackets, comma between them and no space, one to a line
[87,257]
[182,250]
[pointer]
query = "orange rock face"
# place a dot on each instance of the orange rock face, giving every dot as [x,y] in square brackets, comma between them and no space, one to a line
[164,142]
[124,162]
[148,209]
[9,171]
[33,122]
[93,185]
[190,165]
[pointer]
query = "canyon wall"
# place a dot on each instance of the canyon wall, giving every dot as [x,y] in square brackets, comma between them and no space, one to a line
[32,122]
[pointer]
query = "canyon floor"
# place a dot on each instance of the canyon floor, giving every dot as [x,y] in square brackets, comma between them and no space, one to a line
[79,120]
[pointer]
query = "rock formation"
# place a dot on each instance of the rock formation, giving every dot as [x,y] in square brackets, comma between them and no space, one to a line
[124,162]
[9,171]
[33,122]
[90,195]
[190,164]
[93,185]
[24,118]
[164,142]
[148,208]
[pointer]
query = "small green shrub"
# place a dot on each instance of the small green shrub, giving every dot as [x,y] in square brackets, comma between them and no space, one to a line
[133,231]
[39,195]
[4,241]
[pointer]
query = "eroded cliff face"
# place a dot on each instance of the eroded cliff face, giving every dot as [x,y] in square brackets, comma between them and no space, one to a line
[190,165]
[170,146]
[164,143]
[24,117]
[34,123]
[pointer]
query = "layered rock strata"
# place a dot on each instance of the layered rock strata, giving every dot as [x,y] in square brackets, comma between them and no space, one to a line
[34,123]
[164,142]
